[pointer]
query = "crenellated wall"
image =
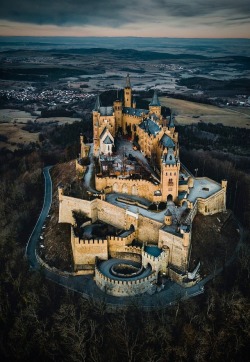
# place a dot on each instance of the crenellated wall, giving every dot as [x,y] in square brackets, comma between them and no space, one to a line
[158,264]
[86,251]
[121,288]
[142,188]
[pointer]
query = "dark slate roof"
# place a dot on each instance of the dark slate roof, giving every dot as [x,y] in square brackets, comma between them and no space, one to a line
[154,117]
[97,104]
[182,195]
[134,111]
[108,141]
[103,131]
[171,121]
[106,111]
[166,141]
[169,158]
[128,85]
[168,213]
[155,100]
[149,126]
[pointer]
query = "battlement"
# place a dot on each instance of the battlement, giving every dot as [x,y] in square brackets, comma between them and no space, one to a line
[93,241]
[124,287]
[153,258]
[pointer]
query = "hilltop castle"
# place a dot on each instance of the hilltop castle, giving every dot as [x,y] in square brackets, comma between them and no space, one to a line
[144,192]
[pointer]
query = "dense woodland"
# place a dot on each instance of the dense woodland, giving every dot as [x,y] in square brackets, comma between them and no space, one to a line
[42,321]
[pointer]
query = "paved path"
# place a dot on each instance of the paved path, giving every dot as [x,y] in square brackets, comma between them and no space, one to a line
[86,286]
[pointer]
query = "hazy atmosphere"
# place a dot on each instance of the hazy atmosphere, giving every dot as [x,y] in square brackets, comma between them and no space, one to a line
[156,18]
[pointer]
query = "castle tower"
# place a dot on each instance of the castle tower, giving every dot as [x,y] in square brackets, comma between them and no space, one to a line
[170,168]
[171,125]
[83,147]
[155,105]
[127,93]
[134,102]
[96,116]
[117,105]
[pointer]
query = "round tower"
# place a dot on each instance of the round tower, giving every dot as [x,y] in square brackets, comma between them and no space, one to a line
[168,218]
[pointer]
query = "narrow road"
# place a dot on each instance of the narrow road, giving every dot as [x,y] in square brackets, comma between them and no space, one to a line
[32,242]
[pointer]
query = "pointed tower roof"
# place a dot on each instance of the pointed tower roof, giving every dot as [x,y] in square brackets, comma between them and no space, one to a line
[171,121]
[155,100]
[97,104]
[128,85]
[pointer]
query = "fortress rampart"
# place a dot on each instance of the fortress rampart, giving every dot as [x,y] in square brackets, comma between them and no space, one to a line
[121,288]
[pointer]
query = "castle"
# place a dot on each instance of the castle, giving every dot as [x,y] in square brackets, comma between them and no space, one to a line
[144,193]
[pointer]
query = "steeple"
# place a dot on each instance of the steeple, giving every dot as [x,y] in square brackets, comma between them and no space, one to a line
[171,121]
[155,100]
[97,104]
[128,85]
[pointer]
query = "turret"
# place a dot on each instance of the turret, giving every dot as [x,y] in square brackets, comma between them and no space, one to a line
[96,115]
[83,146]
[127,92]
[134,102]
[117,105]
[171,125]
[168,217]
[155,105]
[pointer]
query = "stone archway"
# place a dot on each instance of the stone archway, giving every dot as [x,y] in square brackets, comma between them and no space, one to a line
[169,197]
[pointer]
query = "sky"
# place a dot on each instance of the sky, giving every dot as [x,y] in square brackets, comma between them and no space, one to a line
[142,18]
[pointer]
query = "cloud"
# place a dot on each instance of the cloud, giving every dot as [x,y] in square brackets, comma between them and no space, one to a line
[117,13]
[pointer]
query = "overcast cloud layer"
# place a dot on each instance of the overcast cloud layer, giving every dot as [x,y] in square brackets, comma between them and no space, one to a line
[117,13]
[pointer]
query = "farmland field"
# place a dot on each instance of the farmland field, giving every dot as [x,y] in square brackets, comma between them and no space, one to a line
[12,121]
[187,112]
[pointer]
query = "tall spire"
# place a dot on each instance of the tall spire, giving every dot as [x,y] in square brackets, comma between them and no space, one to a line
[97,104]
[155,100]
[171,121]
[128,85]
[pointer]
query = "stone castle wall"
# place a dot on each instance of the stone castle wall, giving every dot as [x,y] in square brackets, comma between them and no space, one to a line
[142,188]
[158,264]
[178,252]
[121,288]
[213,204]
[67,204]
[86,251]
[148,230]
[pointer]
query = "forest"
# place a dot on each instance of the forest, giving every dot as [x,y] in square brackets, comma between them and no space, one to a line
[40,320]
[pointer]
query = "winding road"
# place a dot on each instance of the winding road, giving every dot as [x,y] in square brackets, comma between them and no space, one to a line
[85,284]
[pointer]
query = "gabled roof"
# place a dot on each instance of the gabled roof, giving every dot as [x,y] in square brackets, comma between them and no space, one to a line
[155,100]
[166,141]
[134,111]
[108,141]
[149,126]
